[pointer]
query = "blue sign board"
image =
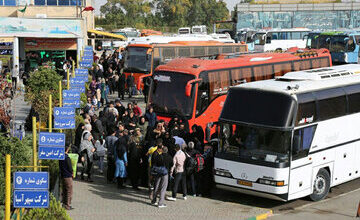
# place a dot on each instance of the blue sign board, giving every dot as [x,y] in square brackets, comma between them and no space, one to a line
[64,123]
[51,153]
[80,89]
[64,112]
[31,199]
[74,103]
[52,139]
[88,58]
[77,81]
[81,72]
[31,180]
[88,48]
[85,64]
[71,94]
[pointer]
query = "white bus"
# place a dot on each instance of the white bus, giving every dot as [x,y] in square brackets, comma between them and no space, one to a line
[293,136]
[276,39]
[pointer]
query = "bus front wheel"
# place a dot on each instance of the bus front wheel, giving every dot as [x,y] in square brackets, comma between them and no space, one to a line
[321,185]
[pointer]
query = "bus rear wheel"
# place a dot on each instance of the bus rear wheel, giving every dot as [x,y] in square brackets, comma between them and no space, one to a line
[321,185]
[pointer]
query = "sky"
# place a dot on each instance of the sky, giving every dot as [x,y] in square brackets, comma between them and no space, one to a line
[99,3]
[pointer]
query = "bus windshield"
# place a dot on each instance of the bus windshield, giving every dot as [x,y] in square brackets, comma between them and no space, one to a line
[253,143]
[337,43]
[167,94]
[259,39]
[137,60]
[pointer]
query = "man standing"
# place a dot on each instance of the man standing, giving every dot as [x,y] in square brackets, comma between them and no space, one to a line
[121,85]
[66,172]
[110,145]
[161,180]
[179,173]
[15,76]
[130,83]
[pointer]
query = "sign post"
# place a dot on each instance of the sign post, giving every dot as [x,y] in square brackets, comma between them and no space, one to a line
[7,186]
[34,143]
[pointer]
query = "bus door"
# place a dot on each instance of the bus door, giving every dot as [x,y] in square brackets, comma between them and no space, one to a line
[300,181]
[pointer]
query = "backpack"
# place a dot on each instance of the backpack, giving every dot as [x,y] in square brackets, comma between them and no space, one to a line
[199,162]
[190,164]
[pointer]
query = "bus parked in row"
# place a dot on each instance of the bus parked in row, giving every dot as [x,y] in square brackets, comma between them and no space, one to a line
[280,39]
[343,45]
[196,89]
[293,136]
[142,59]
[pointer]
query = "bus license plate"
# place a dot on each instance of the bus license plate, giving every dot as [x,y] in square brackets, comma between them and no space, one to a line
[245,183]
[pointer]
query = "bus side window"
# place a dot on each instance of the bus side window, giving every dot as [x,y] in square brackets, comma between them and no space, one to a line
[302,142]
[301,65]
[263,72]
[241,75]
[203,94]
[282,68]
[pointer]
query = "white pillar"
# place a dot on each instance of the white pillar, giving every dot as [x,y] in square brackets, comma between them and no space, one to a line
[16,53]
[80,45]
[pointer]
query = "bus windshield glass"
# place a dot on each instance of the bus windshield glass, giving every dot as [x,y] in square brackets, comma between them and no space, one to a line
[253,143]
[336,43]
[259,39]
[167,94]
[137,60]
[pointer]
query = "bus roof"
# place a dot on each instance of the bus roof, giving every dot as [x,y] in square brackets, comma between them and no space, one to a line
[195,66]
[284,30]
[186,43]
[309,80]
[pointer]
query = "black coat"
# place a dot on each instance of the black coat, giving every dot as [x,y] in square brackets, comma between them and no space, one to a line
[121,82]
[130,81]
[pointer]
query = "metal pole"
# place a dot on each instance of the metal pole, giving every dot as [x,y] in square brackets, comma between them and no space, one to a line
[73,68]
[7,186]
[50,113]
[34,143]
[68,79]
[60,97]
[78,61]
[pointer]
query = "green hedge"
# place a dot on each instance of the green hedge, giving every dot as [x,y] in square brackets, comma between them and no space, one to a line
[21,154]
[54,212]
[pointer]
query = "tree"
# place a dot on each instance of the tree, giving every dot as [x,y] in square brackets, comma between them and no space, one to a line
[41,84]
[5,104]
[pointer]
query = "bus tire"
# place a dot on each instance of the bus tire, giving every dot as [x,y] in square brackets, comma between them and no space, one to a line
[321,185]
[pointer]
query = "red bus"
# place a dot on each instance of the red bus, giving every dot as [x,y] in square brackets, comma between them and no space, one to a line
[142,59]
[196,88]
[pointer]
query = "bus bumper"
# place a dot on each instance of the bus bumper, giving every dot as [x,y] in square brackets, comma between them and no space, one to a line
[279,197]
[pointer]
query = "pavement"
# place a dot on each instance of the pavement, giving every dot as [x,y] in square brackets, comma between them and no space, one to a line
[99,200]
[342,207]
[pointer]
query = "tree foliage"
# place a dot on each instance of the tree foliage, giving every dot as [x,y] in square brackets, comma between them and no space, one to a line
[41,84]
[21,154]
[162,13]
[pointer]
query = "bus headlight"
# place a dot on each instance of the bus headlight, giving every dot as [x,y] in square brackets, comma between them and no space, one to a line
[225,173]
[346,57]
[271,182]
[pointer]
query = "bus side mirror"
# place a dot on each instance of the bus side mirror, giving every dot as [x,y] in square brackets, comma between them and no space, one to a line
[188,89]
[188,86]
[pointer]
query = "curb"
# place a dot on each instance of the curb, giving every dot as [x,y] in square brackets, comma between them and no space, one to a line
[261,216]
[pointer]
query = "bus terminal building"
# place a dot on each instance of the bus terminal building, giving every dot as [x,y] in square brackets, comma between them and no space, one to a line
[320,16]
